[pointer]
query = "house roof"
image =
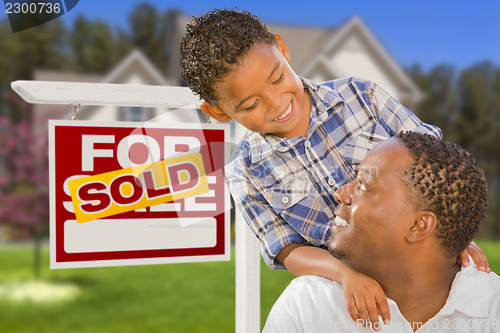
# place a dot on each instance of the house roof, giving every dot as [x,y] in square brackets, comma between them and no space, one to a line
[135,62]
[380,54]
[303,42]
[310,47]
[140,61]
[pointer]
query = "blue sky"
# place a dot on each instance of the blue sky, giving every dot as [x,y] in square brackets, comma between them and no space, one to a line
[429,32]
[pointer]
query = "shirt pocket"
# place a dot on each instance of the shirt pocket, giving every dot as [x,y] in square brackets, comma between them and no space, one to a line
[300,206]
[285,195]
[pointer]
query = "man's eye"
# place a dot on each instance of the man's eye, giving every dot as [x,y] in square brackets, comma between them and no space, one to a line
[361,187]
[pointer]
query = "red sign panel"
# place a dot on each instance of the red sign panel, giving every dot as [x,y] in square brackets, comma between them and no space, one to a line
[189,229]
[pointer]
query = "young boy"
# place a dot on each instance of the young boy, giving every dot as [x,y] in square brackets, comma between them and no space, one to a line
[307,141]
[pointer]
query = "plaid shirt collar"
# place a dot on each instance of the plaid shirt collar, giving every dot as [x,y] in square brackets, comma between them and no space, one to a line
[323,99]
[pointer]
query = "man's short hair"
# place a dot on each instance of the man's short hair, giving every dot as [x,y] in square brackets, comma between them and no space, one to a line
[446,180]
[214,43]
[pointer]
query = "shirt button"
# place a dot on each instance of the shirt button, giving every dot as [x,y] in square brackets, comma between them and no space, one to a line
[308,144]
[331,181]
[285,200]
[369,145]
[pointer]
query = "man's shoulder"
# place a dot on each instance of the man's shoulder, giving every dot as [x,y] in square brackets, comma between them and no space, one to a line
[492,281]
[470,273]
[314,279]
[303,305]
[312,286]
[476,293]
[489,282]
[493,278]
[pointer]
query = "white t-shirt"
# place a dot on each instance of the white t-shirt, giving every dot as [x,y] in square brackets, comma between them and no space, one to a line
[314,304]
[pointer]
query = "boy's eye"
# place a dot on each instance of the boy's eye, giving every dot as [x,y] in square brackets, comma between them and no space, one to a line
[252,106]
[278,80]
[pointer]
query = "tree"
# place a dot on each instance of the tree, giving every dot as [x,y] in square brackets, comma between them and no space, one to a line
[94,47]
[152,32]
[23,175]
[476,109]
[24,197]
[466,106]
[22,53]
[439,104]
[478,127]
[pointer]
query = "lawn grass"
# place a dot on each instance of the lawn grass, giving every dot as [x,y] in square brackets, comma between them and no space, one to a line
[176,298]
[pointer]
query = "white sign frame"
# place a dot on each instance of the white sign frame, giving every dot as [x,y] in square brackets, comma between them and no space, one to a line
[54,264]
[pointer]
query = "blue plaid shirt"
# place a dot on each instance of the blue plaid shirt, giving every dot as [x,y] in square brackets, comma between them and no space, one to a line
[284,187]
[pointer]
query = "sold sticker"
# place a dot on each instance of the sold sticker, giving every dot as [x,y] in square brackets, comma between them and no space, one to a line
[136,187]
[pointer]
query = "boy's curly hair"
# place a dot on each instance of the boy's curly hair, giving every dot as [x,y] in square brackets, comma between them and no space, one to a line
[446,180]
[214,43]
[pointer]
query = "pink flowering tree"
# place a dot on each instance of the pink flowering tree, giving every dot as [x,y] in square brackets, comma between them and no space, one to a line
[24,200]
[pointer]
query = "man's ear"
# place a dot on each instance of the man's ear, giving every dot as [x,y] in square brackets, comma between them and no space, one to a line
[423,226]
[282,47]
[214,112]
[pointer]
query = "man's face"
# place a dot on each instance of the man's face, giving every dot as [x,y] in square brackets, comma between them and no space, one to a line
[264,94]
[377,209]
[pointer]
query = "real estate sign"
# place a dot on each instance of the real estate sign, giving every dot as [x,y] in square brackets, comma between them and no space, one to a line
[137,193]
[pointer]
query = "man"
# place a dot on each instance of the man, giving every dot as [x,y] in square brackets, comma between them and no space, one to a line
[416,203]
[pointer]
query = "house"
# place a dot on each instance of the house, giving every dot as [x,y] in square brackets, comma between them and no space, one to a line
[135,68]
[322,54]
[317,53]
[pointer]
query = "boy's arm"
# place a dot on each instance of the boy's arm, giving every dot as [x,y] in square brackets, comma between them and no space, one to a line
[301,259]
[394,117]
[363,296]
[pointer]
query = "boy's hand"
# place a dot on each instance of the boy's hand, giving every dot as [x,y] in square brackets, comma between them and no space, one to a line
[365,299]
[477,255]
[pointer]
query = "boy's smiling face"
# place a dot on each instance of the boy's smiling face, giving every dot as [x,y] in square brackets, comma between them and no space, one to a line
[264,94]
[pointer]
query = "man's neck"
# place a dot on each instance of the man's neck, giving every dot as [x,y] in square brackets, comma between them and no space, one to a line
[422,291]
